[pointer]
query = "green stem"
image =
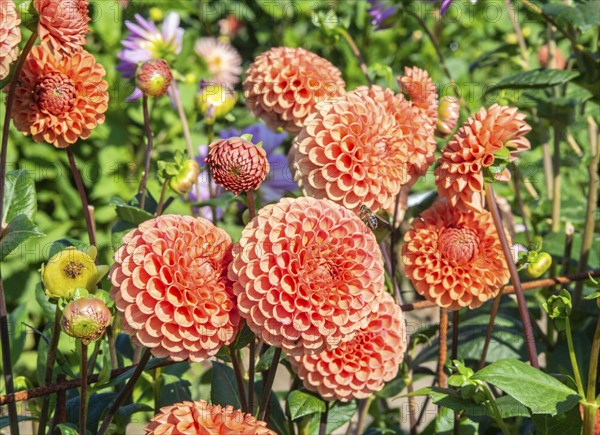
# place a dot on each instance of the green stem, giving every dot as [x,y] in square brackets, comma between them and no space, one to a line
[238,377]
[50,360]
[323,422]
[494,410]
[361,60]
[363,411]
[573,358]
[590,405]
[161,201]
[268,384]
[182,117]
[149,140]
[83,399]
[556,179]
[83,197]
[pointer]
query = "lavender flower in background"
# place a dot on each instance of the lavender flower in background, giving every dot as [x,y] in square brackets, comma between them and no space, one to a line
[444,6]
[382,13]
[279,180]
[146,42]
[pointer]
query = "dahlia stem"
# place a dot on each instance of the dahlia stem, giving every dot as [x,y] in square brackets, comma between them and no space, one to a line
[517,28]
[523,209]
[149,139]
[184,122]
[251,366]
[52,346]
[589,416]
[83,400]
[125,392]
[393,242]
[573,358]
[235,362]
[323,422]
[592,201]
[443,348]
[412,406]
[84,202]
[161,200]
[363,411]
[514,276]
[455,322]
[556,178]
[251,208]
[4,333]
[268,384]
[361,60]
[490,329]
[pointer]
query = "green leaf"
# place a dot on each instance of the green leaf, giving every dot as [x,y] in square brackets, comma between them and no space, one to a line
[569,423]
[129,213]
[173,389]
[537,78]
[19,196]
[564,14]
[540,392]
[266,360]
[126,411]
[68,429]
[19,230]
[301,403]
[16,333]
[510,407]
[450,399]
[590,13]
[223,390]
[339,414]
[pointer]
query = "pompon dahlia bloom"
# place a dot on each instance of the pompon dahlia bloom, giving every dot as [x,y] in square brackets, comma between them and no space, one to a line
[200,418]
[63,24]
[354,151]
[10,36]
[460,174]
[307,274]
[170,285]
[60,100]
[237,164]
[283,85]
[223,62]
[358,368]
[454,257]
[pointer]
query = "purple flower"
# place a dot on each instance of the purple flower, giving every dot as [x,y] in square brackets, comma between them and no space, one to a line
[146,42]
[279,179]
[444,6]
[382,13]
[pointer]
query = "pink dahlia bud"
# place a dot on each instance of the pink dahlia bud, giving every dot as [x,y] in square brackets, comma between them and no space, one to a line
[448,114]
[237,164]
[10,36]
[153,77]
[86,319]
[283,85]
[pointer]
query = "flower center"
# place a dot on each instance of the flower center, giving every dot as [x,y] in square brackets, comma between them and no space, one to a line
[56,93]
[73,269]
[459,244]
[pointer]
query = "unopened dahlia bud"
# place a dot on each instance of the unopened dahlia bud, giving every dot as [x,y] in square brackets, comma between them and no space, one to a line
[153,77]
[184,180]
[237,164]
[86,319]
[215,101]
[448,114]
[70,269]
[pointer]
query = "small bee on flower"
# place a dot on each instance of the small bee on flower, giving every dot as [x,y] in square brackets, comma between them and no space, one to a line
[368,217]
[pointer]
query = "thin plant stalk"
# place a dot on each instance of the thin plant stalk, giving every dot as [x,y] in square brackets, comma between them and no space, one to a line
[83,399]
[495,411]
[589,408]
[354,48]
[435,44]
[235,362]
[523,209]
[82,195]
[573,358]
[268,384]
[412,406]
[323,422]
[183,118]
[251,208]
[92,361]
[50,360]
[251,371]
[125,392]
[149,141]
[161,200]
[4,333]
[517,28]
[363,411]
[556,179]
[514,276]
[490,329]
[592,201]
[443,348]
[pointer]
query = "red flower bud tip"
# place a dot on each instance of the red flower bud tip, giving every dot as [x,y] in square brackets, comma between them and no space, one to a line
[86,319]
[154,77]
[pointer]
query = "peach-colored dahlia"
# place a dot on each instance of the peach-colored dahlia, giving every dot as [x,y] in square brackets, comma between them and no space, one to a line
[308,275]
[200,418]
[170,285]
[237,164]
[283,85]
[358,368]
[63,25]
[417,84]
[449,112]
[60,100]
[453,257]
[10,36]
[354,152]
[459,176]
[223,62]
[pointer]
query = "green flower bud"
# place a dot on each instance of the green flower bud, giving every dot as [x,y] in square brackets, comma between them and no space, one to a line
[70,269]
[186,176]
[559,308]
[86,319]
[153,77]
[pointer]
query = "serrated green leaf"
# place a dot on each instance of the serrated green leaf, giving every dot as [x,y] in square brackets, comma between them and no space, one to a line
[537,78]
[19,230]
[19,195]
[540,392]
[569,423]
[301,403]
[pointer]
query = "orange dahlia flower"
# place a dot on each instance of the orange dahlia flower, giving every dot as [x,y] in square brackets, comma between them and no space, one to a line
[200,418]
[353,151]
[237,164]
[417,84]
[60,100]
[10,36]
[460,174]
[454,257]
[308,274]
[358,368]
[169,283]
[63,25]
[283,85]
